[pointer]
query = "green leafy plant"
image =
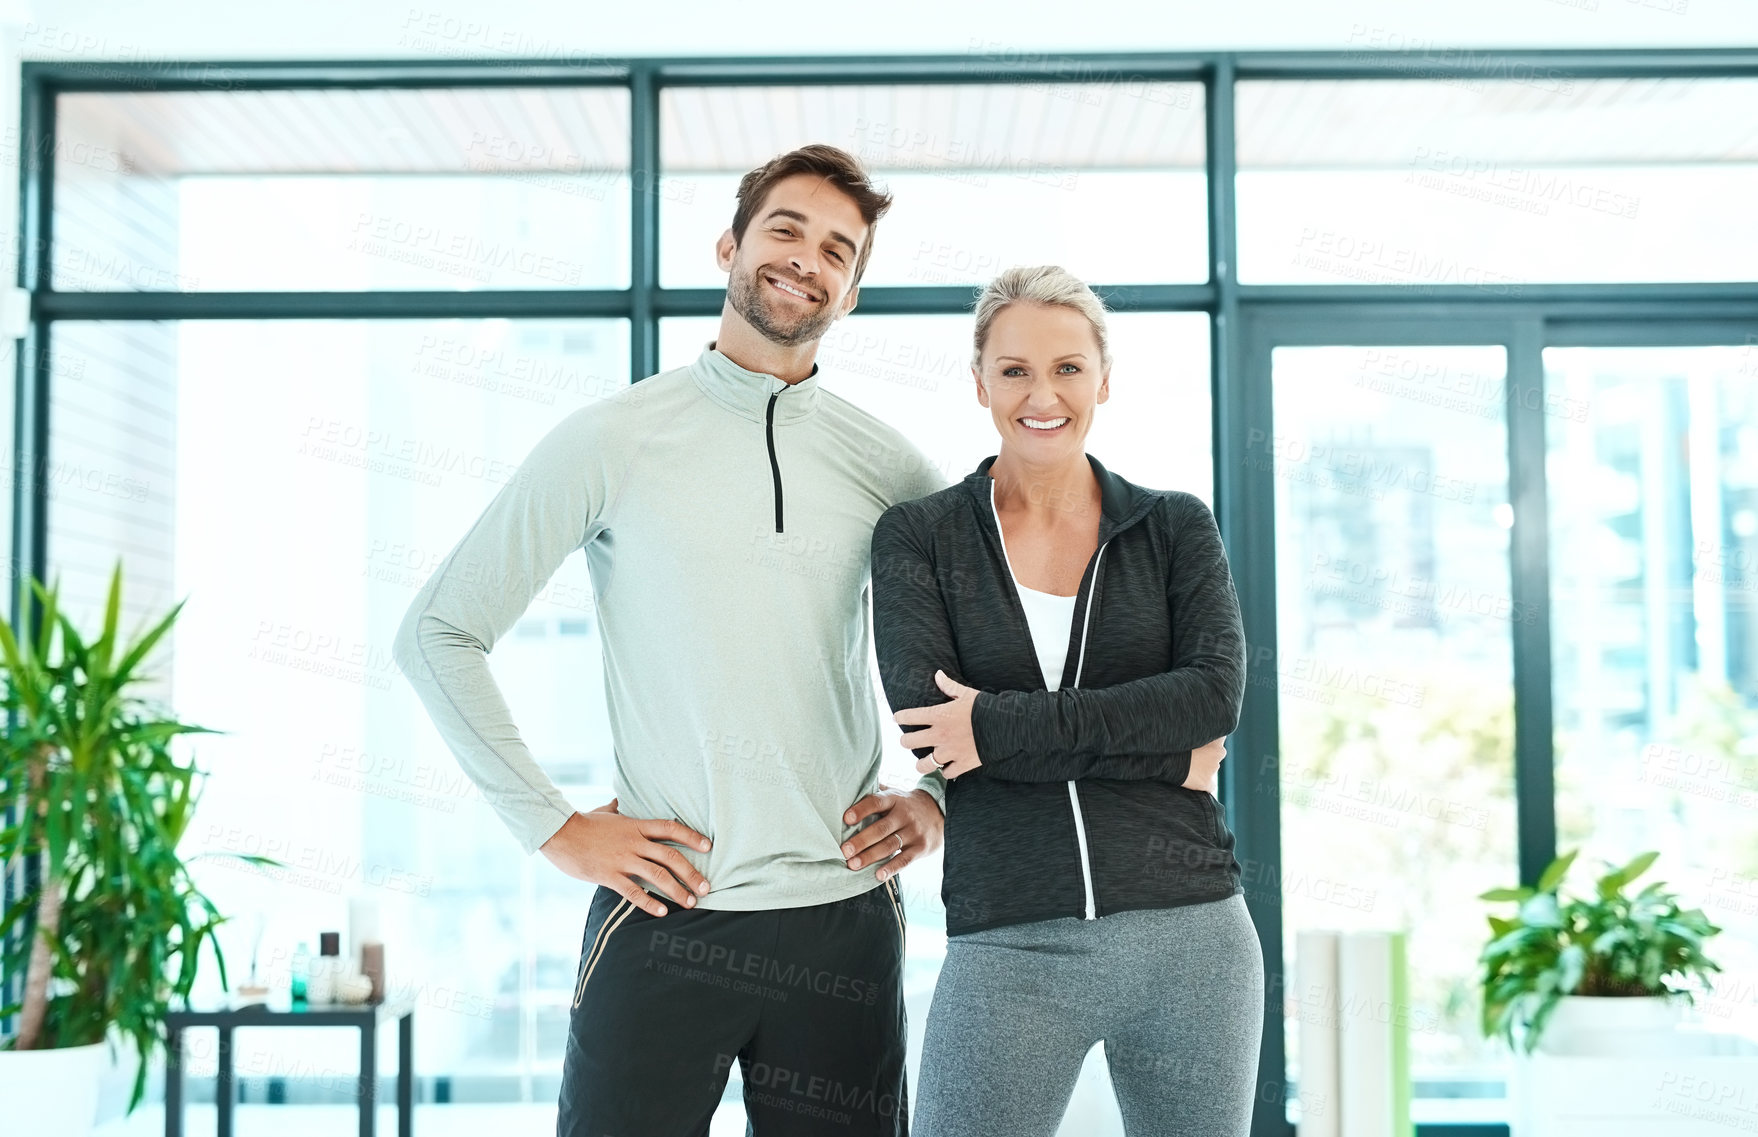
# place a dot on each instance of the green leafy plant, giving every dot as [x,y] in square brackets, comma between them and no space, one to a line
[111,934]
[1610,944]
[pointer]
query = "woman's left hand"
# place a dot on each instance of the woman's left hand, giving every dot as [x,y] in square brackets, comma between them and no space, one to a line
[948,730]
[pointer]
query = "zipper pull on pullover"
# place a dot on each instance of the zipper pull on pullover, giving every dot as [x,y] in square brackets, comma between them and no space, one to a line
[774,466]
[756,395]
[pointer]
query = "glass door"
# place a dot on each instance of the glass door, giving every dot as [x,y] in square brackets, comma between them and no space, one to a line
[1654,600]
[1391,755]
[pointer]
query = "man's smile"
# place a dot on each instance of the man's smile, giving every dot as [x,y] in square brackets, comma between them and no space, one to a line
[791,289]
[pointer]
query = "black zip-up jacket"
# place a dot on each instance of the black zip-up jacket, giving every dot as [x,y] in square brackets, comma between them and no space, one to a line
[1078,808]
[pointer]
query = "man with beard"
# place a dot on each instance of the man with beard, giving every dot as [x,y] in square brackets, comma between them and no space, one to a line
[747,906]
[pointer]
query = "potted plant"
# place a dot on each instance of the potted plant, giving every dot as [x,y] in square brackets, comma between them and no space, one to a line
[108,932]
[1560,969]
[1589,994]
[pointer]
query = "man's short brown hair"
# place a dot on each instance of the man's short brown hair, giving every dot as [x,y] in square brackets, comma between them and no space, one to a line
[838,167]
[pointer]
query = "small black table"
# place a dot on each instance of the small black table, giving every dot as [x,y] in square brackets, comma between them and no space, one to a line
[366,1017]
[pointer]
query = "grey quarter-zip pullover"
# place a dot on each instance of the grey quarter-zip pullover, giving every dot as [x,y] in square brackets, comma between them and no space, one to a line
[727,520]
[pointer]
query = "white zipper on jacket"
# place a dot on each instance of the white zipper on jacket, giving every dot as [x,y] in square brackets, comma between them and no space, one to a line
[1080,828]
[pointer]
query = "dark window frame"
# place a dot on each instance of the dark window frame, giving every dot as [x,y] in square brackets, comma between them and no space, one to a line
[1246,321]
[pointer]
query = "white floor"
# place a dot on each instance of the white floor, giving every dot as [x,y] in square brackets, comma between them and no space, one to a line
[1091,1113]
[342,1121]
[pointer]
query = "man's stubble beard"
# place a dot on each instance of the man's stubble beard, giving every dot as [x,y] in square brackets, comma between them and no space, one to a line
[746,296]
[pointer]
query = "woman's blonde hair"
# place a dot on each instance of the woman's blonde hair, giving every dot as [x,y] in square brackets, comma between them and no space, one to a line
[1050,285]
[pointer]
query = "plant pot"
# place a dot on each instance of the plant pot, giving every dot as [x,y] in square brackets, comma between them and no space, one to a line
[52,1093]
[1593,1026]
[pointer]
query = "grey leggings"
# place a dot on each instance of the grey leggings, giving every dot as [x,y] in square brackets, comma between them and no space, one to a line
[1177,995]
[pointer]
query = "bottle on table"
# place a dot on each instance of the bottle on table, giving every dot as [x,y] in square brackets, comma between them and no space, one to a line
[325,969]
[301,969]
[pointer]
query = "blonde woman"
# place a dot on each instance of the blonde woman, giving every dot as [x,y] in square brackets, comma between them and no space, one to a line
[1064,648]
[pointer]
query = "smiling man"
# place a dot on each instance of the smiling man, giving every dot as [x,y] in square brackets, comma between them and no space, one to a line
[747,908]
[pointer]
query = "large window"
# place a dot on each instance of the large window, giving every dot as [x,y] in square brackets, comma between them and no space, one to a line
[341,190]
[1654,507]
[297,482]
[1458,346]
[984,176]
[1393,666]
[915,373]
[1497,184]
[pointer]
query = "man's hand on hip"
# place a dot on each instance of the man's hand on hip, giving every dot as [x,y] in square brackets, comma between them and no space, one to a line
[903,825]
[604,847]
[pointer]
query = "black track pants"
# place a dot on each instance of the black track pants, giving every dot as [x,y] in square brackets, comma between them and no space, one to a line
[808,1001]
